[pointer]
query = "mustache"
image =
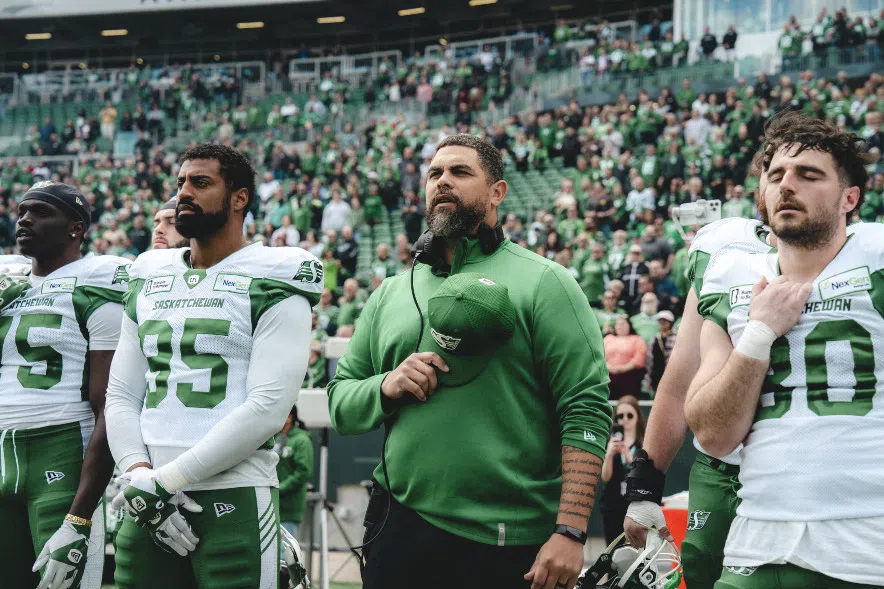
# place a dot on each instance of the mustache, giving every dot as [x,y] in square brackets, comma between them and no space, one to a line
[188,205]
[789,204]
[446,196]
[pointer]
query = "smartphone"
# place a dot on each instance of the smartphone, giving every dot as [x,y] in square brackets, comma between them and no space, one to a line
[617,432]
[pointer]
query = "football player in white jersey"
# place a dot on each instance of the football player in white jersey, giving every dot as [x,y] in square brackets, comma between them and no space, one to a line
[792,364]
[165,235]
[56,345]
[712,494]
[214,347]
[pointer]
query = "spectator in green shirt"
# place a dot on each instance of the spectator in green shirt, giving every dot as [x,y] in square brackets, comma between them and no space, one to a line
[736,204]
[331,267]
[384,266]
[608,313]
[327,312]
[686,96]
[294,470]
[571,226]
[562,34]
[645,322]
[594,274]
[790,48]
[351,305]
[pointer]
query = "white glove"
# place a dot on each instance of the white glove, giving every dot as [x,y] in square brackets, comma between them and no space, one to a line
[64,556]
[650,515]
[166,525]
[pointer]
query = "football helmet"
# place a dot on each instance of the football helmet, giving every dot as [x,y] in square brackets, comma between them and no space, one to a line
[293,561]
[621,566]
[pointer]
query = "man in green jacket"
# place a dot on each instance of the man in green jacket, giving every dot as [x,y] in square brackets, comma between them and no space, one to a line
[294,470]
[493,450]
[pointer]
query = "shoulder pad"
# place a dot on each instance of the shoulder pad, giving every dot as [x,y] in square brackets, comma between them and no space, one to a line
[151,261]
[107,272]
[726,232]
[737,268]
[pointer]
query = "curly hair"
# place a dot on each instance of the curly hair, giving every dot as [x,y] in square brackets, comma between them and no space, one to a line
[489,158]
[798,133]
[236,169]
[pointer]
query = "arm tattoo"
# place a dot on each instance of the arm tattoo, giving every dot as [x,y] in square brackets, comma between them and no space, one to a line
[580,477]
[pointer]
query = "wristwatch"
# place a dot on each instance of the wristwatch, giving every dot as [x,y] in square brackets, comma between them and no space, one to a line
[578,536]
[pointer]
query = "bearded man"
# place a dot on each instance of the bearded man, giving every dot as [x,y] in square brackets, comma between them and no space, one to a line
[494,395]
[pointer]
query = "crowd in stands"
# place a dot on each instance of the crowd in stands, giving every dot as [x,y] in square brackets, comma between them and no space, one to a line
[849,37]
[354,196]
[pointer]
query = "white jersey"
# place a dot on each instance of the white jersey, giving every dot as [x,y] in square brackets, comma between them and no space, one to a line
[812,472]
[196,329]
[45,339]
[712,242]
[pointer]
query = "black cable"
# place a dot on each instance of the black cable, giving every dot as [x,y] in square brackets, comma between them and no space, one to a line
[388,426]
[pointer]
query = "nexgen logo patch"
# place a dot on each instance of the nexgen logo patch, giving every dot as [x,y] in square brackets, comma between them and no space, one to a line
[849,282]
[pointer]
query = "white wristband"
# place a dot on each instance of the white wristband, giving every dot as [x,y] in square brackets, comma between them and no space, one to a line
[756,340]
[171,477]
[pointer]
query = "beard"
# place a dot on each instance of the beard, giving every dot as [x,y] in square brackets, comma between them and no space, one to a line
[455,223]
[649,309]
[811,233]
[199,224]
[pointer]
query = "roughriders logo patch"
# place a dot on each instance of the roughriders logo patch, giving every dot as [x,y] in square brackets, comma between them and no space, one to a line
[697,519]
[446,342]
[742,571]
[121,275]
[309,271]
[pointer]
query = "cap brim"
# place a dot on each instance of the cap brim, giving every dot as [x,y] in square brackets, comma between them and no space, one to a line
[461,369]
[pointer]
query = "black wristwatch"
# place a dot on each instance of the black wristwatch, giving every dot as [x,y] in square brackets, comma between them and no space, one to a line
[578,536]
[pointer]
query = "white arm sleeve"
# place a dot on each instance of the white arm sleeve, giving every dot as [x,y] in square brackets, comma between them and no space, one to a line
[104,327]
[280,354]
[125,397]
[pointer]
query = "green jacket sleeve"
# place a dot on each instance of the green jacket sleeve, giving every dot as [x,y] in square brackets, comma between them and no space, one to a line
[570,354]
[354,394]
[301,462]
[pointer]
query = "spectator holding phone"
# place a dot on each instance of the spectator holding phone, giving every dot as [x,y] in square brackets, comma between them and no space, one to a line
[627,435]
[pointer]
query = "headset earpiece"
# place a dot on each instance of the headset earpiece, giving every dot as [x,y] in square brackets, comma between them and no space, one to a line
[428,249]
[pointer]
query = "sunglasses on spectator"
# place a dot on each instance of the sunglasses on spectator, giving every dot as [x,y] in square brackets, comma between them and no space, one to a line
[620,416]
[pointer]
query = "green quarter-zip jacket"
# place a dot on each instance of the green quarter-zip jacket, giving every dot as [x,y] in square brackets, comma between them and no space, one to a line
[483,460]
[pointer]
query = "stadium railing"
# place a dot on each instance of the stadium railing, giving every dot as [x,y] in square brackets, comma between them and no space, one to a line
[306,74]
[507,47]
[78,84]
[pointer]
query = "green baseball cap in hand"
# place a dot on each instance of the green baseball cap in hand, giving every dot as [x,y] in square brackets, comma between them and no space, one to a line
[469,319]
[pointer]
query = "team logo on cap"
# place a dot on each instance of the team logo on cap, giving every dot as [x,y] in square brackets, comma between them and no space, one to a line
[486,281]
[446,342]
[43,184]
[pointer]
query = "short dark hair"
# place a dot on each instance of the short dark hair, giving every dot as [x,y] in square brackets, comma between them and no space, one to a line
[489,158]
[795,130]
[236,169]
